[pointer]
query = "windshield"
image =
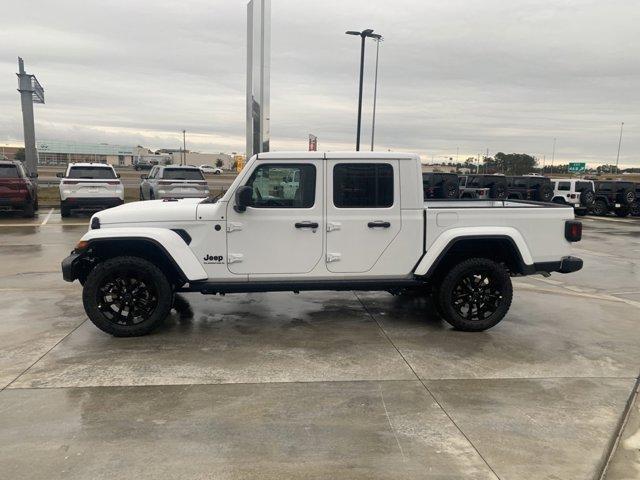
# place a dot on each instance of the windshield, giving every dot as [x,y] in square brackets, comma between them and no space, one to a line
[91,172]
[9,171]
[182,174]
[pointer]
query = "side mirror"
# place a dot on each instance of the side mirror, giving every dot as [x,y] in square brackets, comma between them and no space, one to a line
[244,198]
[144,176]
[60,175]
[33,175]
[117,175]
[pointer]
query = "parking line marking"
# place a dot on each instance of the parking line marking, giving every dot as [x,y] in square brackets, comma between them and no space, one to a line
[44,222]
[617,220]
[65,224]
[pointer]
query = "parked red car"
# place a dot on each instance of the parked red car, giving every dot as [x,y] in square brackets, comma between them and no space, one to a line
[17,191]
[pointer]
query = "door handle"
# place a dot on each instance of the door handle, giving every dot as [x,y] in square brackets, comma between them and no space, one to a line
[378,224]
[306,225]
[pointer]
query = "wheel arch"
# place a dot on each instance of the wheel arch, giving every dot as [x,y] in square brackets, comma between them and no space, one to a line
[508,248]
[165,248]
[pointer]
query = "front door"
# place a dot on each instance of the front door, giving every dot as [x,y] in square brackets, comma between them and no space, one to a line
[281,232]
[363,212]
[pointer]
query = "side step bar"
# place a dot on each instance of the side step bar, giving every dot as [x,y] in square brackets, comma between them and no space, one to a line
[210,288]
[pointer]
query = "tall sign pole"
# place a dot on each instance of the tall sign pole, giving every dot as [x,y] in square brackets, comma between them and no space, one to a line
[30,92]
[258,74]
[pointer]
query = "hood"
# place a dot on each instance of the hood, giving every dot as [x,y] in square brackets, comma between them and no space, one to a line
[151,211]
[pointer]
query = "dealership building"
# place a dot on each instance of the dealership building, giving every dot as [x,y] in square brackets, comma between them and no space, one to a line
[52,152]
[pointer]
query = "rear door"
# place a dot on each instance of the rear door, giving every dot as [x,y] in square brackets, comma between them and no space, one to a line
[363,212]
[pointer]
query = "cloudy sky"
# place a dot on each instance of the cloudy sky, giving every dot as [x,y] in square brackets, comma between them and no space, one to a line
[467,75]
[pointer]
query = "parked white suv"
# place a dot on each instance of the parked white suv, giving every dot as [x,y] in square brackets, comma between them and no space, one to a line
[89,186]
[296,221]
[578,193]
[210,169]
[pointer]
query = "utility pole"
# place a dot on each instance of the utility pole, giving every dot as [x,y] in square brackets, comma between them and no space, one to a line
[619,145]
[553,154]
[184,147]
[457,154]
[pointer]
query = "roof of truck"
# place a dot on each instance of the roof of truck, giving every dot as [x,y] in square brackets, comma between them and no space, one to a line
[337,155]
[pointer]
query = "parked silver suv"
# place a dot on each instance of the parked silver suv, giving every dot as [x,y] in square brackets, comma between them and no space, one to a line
[173,181]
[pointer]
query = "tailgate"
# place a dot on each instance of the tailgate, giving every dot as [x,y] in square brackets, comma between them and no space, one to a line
[183,187]
[90,187]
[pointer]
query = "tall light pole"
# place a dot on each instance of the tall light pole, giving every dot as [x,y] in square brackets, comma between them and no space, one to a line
[619,145]
[363,35]
[553,154]
[375,88]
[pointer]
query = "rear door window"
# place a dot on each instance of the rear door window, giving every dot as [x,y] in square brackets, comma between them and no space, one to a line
[363,185]
[9,171]
[182,174]
[564,186]
[91,173]
[581,185]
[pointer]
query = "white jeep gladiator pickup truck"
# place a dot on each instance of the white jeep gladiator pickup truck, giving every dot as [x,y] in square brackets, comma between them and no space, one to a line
[318,221]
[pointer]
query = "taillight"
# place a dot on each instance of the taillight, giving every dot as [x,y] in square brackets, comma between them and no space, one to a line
[573,230]
[572,195]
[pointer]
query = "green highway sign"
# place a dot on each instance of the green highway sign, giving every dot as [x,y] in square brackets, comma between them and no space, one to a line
[577,167]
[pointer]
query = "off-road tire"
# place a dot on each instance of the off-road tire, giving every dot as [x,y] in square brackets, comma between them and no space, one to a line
[127,266]
[28,211]
[622,212]
[65,211]
[544,193]
[449,189]
[635,208]
[587,196]
[599,207]
[628,196]
[498,191]
[453,281]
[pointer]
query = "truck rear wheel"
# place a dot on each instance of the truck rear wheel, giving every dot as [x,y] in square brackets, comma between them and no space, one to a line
[127,296]
[475,294]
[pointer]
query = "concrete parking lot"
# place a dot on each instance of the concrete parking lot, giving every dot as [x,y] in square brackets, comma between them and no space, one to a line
[318,385]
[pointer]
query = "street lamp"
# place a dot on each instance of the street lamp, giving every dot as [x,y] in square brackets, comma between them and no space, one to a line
[363,35]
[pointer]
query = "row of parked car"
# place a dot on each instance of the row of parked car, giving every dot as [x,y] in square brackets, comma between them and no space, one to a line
[95,186]
[586,196]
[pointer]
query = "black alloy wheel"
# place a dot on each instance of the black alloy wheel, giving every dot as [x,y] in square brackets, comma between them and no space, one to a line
[127,296]
[476,294]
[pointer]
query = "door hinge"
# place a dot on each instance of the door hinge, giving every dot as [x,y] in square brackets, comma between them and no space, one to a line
[232,227]
[333,257]
[234,258]
[331,226]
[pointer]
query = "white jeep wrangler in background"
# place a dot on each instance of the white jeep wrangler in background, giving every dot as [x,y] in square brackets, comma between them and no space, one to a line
[318,221]
[578,193]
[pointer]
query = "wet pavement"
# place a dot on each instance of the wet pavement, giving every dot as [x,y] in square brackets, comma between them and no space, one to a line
[320,384]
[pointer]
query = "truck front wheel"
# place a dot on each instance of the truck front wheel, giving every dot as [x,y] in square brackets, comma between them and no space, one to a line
[127,296]
[475,294]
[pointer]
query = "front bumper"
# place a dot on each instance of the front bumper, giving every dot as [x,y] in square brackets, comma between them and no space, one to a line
[70,267]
